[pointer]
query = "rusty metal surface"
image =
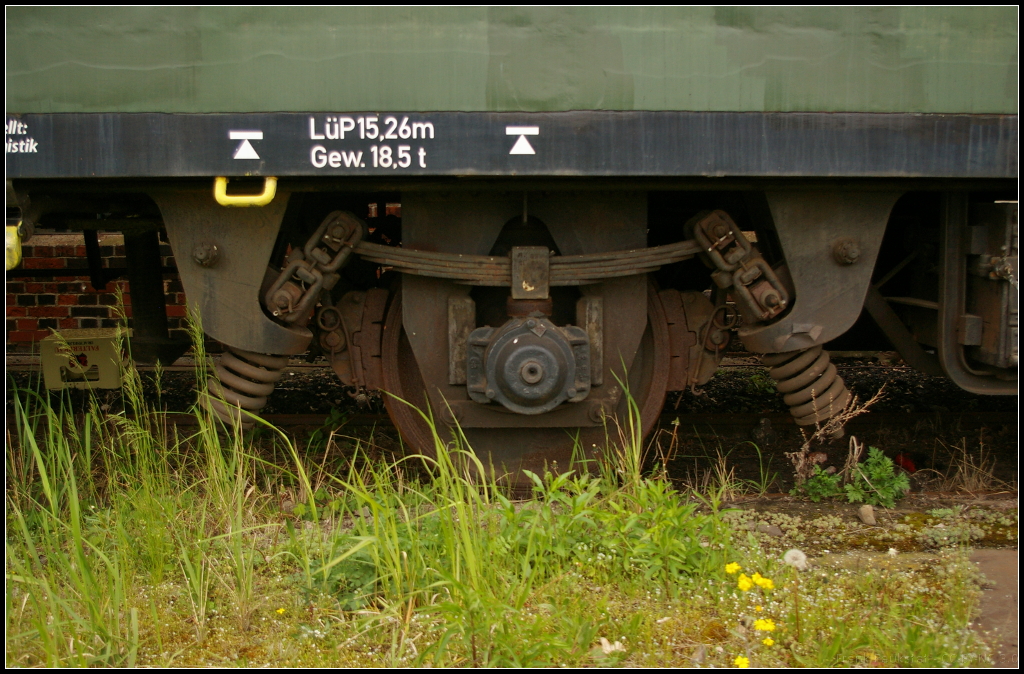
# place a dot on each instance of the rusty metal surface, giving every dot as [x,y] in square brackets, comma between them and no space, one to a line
[529,365]
[952,303]
[242,381]
[520,308]
[516,444]
[682,339]
[531,271]
[416,330]
[590,317]
[827,296]
[471,223]
[757,290]
[562,270]
[992,291]
[898,334]
[292,296]
[354,338]
[227,294]
[461,321]
[368,339]
[809,384]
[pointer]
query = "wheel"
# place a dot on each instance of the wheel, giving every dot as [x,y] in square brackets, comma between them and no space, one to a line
[514,449]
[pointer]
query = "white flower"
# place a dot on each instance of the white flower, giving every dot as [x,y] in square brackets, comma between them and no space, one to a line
[892,552]
[796,558]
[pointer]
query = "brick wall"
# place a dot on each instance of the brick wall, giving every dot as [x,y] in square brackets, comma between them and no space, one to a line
[35,305]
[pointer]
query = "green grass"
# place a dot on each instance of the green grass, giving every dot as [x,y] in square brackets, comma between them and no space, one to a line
[132,542]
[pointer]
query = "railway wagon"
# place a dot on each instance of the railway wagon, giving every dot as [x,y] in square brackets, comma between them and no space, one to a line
[523,219]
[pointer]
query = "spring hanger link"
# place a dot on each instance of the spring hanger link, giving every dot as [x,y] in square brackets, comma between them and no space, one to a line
[309,272]
[752,282]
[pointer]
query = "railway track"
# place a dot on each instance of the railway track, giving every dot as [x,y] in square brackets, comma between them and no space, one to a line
[686,422]
[30,362]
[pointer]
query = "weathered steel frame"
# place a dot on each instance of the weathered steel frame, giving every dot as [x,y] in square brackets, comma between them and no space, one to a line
[952,304]
[581,144]
[227,293]
[516,442]
[580,223]
[827,295]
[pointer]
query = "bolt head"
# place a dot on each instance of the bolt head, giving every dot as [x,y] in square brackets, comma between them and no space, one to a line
[846,251]
[281,299]
[205,254]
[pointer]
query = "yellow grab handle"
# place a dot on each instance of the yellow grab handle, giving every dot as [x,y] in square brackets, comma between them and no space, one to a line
[12,247]
[220,193]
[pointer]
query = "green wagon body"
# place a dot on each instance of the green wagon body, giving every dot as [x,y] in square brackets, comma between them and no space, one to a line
[911,59]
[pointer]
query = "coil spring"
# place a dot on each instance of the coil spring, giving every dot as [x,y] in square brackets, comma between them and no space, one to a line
[808,383]
[243,380]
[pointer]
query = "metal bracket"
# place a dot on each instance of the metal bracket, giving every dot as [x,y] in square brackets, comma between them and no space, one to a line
[531,272]
[228,293]
[351,333]
[590,317]
[220,193]
[827,295]
[953,291]
[897,333]
[461,322]
[689,315]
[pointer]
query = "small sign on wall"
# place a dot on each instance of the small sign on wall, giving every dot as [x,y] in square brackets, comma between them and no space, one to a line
[84,359]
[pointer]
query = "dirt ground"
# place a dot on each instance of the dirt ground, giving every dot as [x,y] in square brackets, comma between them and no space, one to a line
[999,603]
[917,532]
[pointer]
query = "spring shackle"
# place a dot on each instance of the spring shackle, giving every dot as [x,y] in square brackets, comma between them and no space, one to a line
[808,383]
[243,381]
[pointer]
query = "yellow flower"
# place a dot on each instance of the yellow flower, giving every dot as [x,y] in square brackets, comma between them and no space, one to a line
[741,662]
[744,583]
[758,609]
[761,581]
[280,611]
[764,625]
[732,568]
[768,641]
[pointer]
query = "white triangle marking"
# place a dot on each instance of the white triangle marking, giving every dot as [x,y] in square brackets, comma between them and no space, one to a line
[522,146]
[246,151]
